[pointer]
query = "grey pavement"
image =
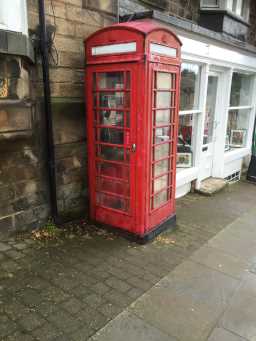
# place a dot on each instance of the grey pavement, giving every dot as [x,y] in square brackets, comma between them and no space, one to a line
[211,296]
[194,283]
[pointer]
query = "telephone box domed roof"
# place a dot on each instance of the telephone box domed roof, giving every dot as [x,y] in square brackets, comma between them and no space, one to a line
[144,26]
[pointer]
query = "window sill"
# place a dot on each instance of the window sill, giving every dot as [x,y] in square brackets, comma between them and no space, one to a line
[238,153]
[225,12]
[186,175]
[16,43]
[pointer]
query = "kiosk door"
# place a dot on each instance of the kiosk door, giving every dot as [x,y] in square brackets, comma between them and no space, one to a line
[164,140]
[113,144]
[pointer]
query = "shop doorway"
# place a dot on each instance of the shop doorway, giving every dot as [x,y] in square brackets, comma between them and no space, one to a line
[210,124]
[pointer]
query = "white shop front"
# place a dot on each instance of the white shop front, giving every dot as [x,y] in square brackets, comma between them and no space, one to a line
[217,111]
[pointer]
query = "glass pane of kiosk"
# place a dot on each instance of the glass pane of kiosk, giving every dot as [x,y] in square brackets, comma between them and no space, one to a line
[163,130]
[111,124]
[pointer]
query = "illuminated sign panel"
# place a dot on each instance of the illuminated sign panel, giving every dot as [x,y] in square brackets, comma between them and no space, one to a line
[114,48]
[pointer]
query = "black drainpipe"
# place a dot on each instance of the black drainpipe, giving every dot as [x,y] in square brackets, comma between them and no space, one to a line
[48,112]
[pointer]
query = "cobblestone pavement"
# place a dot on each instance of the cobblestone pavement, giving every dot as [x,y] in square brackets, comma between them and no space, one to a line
[69,288]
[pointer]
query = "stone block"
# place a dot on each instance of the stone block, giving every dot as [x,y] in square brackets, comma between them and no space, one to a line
[71,163]
[13,118]
[31,200]
[65,27]
[108,20]
[82,15]
[27,188]
[58,8]
[68,90]
[33,19]
[66,75]
[68,44]
[76,205]
[74,2]
[32,5]
[109,6]
[19,172]
[70,177]
[69,150]
[24,220]
[42,213]
[84,30]
[71,59]
[6,195]
[70,191]
[69,122]
[6,225]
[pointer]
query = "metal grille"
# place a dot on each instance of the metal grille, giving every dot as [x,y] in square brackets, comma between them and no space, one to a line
[234,177]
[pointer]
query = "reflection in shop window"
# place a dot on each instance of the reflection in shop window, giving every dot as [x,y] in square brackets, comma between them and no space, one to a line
[210,109]
[238,122]
[240,90]
[239,111]
[190,79]
[184,149]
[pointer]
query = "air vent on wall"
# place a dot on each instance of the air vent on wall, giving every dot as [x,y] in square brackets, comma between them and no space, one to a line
[234,177]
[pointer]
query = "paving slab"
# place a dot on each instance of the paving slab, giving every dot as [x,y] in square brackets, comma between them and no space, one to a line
[128,327]
[221,261]
[248,284]
[240,317]
[188,302]
[220,334]
[238,246]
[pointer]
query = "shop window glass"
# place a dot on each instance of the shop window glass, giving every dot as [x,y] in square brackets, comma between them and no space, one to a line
[210,109]
[240,90]
[238,122]
[189,92]
[184,148]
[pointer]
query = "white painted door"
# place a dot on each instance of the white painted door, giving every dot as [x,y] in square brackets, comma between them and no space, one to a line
[210,125]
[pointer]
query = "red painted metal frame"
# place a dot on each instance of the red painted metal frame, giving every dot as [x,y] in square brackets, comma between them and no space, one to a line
[142,65]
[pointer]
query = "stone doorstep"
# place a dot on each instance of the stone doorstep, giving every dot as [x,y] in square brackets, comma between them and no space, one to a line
[211,186]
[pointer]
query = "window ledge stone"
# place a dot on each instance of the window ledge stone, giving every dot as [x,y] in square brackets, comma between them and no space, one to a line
[16,43]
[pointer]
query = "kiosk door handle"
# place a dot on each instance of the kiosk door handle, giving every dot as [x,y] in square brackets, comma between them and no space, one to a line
[133,148]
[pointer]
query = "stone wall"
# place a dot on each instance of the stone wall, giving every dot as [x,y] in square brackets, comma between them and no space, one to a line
[24,191]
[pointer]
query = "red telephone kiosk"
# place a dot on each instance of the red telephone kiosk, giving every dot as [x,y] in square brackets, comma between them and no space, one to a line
[132,95]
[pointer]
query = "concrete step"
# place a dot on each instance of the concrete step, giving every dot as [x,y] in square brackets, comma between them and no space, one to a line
[211,186]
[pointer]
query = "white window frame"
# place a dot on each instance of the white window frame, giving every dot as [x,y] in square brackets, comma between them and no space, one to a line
[238,7]
[250,107]
[196,114]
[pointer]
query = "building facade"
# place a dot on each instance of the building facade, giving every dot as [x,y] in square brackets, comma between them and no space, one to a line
[217,106]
